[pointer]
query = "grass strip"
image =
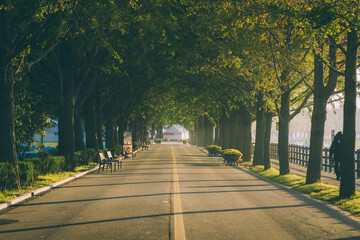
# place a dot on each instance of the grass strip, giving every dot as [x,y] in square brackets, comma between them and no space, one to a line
[319,190]
[42,181]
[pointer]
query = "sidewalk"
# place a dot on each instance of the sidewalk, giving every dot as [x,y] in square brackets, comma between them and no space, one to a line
[325,176]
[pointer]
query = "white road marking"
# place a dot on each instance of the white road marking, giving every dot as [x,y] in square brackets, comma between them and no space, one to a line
[178,216]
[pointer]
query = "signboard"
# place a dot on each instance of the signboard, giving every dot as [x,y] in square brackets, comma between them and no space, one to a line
[165,133]
[127,142]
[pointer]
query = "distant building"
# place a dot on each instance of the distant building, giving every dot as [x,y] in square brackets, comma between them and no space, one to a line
[176,132]
[51,135]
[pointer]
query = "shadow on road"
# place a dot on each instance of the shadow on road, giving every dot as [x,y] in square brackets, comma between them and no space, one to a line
[151,216]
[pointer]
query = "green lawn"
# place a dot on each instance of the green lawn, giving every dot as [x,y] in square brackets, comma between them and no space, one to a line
[322,191]
[50,144]
[42,181]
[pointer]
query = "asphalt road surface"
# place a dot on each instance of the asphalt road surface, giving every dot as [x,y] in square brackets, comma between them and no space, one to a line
[175,192]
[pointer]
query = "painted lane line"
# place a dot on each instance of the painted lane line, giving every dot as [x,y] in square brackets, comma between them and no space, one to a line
[178,216]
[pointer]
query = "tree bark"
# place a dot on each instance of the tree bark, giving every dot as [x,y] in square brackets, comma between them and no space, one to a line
[90,123]
[79,133]
[246,121]
[283,145]
[109,127]
[99,121]
[347,183]
[7,122]
[321,95]
[260,129]
[65,63]
[217,134]
[267,137]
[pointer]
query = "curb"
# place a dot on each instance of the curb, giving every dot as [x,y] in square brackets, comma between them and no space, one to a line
[44,189]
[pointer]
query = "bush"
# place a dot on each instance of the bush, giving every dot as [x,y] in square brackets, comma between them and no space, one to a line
[77,158]
[157,141]
[27,173]
[7,177]
[92,155]
[117,150]
[54,151]
[231,152]
[47,164]
[185,141]
[38,167]
[44,158]
[213,149]
[56,164]
[136,145]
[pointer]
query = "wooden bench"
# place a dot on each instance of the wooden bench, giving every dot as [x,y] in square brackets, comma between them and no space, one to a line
[116,160]
[127,155]
[103,161]
[144,146]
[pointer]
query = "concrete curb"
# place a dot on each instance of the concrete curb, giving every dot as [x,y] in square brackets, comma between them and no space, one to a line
[46,188]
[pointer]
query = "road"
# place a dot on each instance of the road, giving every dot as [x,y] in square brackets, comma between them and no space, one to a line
[175,192]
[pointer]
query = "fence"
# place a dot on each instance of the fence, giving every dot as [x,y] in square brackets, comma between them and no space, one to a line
[300,155]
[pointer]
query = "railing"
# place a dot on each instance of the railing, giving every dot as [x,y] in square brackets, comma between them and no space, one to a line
[300,155]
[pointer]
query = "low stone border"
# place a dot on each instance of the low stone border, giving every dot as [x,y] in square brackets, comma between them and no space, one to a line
[46,188]
[43,189]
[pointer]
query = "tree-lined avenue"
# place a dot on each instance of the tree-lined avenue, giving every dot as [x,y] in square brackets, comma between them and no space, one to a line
[138,202]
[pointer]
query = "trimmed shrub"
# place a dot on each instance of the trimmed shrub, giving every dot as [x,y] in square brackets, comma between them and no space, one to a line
[230,152]
[44,158]
[92,155]
[77,158]
[27,173]
[157,141]
[117,150]
[7,177]
[213,149]
[37,165]
[136,145]
[56,164]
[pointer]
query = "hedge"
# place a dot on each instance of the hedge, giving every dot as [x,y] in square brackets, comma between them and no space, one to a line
[7,177]
[31,168]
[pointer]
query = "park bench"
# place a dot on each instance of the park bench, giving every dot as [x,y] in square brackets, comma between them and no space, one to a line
[116,160]
[127,155]
[103,161]
[144,146]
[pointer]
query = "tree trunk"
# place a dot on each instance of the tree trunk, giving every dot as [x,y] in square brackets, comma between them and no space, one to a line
[7,123]
[67,104]
[217,134]
[347,184]
[79,133]
[159,131]
[122,123]
[99,134]
[90,123]
[209,131]
[260,130]
[240,130]
[313,173]
[267,137]
[224,131]
[109,127]
[283,145]
[247,136]
[234,129]
[152,132]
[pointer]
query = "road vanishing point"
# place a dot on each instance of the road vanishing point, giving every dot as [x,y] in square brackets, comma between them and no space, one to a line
[176,192]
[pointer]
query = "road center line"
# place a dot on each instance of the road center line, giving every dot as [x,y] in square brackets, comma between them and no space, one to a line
[178,216]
